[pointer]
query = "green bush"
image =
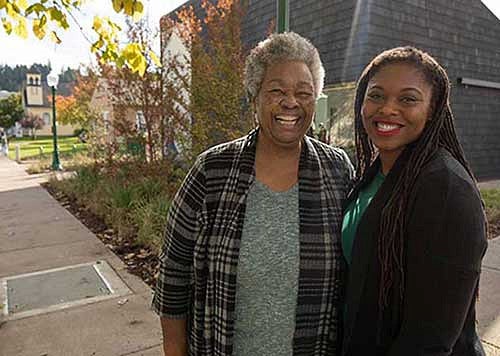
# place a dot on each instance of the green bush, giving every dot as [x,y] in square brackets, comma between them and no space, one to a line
[133,198]
[86,181]
[150,217]
[491,199]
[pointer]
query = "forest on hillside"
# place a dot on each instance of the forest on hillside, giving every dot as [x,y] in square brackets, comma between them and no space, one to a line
[12,78]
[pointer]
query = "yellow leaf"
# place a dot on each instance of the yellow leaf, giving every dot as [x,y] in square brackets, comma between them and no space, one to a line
[141,68]
[21,29]
[38,29]
[22,4]
[136,16]
[43,20]
[64,22]
[133,57]
[3,3]
[7,26]
[138,7]
[137,11]
[55,14]
[154,58]
[128,7]
[117,5]
[54,37]
[11,11]
[97,23]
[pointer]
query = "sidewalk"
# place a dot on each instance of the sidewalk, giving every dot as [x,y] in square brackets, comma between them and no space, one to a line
[37,234]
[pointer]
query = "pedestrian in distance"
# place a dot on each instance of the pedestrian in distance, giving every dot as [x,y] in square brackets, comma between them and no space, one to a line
[252,261]
[414,231]
[4,145]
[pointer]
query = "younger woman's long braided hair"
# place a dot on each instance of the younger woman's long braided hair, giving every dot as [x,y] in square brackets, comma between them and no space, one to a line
[438,132]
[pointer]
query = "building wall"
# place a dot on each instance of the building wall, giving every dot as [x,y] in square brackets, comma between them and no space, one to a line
[464,36]
[62,130]
[34,89]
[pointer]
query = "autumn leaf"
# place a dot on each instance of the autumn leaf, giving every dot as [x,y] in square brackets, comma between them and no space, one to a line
[97,23]
[117,5]
[133,57]
[21,29]
[38,29]
[54,37]
[154,58]
[21,4]
[37,8]
[137,11]
[7,25]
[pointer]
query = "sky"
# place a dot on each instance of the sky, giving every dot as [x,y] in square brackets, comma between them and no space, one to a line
[75,48]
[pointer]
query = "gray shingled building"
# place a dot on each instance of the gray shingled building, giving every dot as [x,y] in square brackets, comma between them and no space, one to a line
[464,35]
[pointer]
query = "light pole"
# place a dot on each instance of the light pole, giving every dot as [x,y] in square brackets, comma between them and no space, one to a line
[282,10]
[52,80]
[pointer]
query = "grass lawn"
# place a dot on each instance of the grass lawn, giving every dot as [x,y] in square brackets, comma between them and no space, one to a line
[30,149]
[492,201]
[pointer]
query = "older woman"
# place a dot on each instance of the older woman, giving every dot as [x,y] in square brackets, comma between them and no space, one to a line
[414,229]
[252,259]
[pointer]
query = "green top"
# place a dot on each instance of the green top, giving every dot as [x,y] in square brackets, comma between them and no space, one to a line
[355,211]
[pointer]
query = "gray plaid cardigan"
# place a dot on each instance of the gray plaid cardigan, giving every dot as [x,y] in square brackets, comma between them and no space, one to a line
[199,259]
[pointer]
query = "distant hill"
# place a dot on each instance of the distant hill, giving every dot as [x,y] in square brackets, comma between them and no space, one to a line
[12,78]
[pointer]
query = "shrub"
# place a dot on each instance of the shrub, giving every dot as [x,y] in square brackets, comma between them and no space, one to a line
[150,217]
[491,199]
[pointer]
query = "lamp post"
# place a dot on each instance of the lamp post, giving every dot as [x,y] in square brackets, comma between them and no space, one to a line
[282,10]
[52,80]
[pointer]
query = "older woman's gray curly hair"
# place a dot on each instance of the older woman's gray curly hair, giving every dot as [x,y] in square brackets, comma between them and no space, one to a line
[281,47]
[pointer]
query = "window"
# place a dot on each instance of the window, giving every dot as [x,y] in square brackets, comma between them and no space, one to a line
[105,118]
[140,121]
[46,118]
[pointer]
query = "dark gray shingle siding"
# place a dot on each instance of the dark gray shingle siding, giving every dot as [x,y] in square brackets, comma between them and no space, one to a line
[463,35]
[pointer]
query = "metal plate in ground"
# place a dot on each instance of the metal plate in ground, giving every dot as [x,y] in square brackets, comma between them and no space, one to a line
[55,289]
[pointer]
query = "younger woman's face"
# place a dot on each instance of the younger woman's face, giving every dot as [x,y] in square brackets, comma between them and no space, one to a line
[396,107]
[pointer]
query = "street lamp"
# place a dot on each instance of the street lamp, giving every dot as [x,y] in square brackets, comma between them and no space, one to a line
[52,80]
[283,15]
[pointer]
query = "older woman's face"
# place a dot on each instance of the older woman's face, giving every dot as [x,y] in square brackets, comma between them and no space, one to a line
[396,107]
[285,103]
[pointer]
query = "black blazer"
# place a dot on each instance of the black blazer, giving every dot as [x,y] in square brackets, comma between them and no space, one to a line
[445,242]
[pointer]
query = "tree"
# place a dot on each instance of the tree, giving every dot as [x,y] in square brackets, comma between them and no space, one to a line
[12,78]
[76,109]
[212,77]
[142,94]
[11,111]
[32,122]
[46,17]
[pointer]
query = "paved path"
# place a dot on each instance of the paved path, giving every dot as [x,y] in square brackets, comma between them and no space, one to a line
[36,234]
[490,184]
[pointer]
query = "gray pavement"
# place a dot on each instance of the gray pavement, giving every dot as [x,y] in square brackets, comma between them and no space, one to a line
[37,234]
[489,184]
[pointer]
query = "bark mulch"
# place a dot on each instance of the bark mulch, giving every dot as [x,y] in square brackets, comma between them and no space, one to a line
[493,229]
[140,260]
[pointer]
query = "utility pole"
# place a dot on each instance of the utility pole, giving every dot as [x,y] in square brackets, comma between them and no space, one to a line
[283,12]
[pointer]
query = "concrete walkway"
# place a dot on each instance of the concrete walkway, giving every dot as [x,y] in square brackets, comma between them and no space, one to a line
[37,234]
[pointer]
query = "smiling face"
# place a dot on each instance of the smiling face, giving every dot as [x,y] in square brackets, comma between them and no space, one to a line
[396,107]
[285,104]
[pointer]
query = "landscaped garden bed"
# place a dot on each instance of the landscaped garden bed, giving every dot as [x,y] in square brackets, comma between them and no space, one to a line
[126,207]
